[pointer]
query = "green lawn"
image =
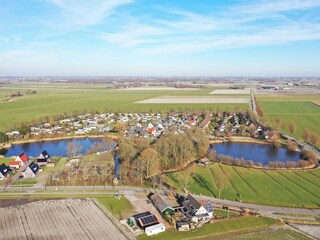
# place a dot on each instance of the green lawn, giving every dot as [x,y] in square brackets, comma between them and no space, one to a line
[223,213]
[120,208]
[269,187]
[25,182]
[209,231]
[271,233]
[59,98]
[297,108]
[6,160]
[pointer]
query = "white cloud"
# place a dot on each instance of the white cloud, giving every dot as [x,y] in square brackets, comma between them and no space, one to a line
[263,23]
[135,34]
[87,12]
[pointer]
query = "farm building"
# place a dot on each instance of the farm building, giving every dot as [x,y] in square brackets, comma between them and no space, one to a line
[155,229]
[163,204]
[4,171]
[145,219]
[22,158]
[31,171]
[197,211]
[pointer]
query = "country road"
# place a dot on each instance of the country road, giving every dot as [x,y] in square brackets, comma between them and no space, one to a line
[264,210]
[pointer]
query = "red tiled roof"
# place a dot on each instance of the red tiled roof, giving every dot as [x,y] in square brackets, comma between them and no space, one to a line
[23,157]
[13,163]
[150,130]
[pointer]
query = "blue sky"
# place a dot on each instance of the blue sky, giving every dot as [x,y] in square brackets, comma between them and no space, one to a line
[167,37]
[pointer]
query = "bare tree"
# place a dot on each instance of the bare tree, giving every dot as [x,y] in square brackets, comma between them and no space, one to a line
[74,148]
[306,135]
[292,127]
[150,161]
[220,180]
[292,145]
[314,138]
[277,123]
[186,175]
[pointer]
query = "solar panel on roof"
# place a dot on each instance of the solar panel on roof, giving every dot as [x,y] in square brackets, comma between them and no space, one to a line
[149,219]
[209,208]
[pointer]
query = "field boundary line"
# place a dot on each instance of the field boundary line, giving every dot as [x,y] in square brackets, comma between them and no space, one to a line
[246,182]
[234,188]
[298,185]
[314,174]
[282,186]
[306,179]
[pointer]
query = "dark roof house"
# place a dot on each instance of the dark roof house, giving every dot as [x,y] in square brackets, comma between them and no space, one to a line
[31,171]
[4,171]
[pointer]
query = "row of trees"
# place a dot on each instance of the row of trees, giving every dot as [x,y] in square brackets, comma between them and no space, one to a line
[141,159]
[259,109]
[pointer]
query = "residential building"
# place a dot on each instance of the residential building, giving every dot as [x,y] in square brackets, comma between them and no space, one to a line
[22,158]
[31,171]
[4,171]
[197,211]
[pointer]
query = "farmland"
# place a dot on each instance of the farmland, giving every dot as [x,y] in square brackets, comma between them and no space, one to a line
[54,99]
[297,108]
[189,99]
[57,219]
[283,188]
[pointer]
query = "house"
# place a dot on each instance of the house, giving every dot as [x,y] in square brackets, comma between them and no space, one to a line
[197,211]
[44,158]
[155,229]
[14,164]
[22,159]
[31,171]
[205,121]
[203,162]
[4,171]
[162,204]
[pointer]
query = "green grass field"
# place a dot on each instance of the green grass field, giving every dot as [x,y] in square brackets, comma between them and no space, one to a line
[59,98]
[6,160]
[120,208]
[210,231]
[282,188]
[298,108]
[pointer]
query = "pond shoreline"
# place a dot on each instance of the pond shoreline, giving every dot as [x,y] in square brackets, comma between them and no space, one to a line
[8,145]
[239,140]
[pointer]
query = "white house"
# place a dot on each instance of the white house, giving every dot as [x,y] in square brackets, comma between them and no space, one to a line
[31,171]
[197,211]
[22,158]
[155,229]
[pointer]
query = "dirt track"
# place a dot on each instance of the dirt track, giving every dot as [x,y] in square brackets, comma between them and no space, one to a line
[57,219]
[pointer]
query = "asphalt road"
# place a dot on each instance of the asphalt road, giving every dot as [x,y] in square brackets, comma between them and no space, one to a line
[264,210]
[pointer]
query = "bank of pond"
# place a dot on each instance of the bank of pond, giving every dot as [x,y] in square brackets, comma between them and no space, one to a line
[258,153]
